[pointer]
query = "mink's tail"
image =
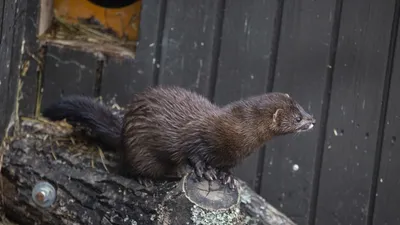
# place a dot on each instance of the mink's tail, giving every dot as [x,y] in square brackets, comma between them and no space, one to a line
[98,121]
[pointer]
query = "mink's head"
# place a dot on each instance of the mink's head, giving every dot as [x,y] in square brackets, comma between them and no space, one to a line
[288,116]
[269,115]
[257,119]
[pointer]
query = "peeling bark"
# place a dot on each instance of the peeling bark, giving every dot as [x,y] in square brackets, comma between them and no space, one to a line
[90,192]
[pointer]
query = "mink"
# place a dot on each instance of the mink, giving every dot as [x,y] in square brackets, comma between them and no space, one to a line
[167,129]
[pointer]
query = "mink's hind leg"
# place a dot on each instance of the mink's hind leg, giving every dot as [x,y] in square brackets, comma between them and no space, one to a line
[202,170]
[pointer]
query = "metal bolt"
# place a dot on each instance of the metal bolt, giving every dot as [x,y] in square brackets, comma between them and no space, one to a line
[43,194]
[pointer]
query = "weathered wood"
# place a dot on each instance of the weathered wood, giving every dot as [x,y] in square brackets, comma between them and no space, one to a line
[90,195]
[8,82]
[148,50]
[245,60]
[302,72]
[66,72]
[1,18]
[354,114]
[190,43]
[387,195]
[32,55]
[121,79]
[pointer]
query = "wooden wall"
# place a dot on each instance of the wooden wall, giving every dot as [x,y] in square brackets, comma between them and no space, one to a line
[337,58]
[8,62]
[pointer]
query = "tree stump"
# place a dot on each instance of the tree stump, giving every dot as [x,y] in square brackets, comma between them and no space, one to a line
[89,191]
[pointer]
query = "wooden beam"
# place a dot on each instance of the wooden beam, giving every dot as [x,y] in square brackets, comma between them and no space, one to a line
[89,191]
[67,72]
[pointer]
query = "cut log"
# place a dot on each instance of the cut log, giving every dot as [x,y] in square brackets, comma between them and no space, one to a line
[89,191]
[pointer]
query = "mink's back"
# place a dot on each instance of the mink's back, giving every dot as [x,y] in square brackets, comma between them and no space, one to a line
[159,123]
[177,105]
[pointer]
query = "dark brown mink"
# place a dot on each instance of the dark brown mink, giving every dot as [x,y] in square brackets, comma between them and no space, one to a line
[167,129]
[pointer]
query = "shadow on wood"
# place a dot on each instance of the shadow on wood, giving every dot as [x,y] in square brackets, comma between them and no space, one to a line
[88,192]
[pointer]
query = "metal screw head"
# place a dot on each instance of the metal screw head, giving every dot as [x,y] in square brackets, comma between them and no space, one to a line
[40,196]
[43,194]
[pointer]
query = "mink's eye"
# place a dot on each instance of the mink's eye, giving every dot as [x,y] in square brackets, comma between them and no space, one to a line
[298,119]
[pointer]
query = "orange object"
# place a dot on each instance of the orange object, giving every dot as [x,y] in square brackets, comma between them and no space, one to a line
[124,21]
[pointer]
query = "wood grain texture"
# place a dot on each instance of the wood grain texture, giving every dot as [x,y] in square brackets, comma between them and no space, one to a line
[302,72]
[152,18]
[90,192]
[188,44]
[388,182]
[26,31]
[244,62]
[67,72]
[8,80]
[121,79]
[354,114]
[1,17]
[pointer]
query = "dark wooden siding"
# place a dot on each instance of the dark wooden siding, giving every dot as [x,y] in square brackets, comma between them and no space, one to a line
[386,182]
[246,61]
[340,59]
[353,128]
[11,29]
[302,70]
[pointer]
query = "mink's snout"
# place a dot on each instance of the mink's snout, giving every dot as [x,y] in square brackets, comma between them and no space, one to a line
[308,122]
[312,123]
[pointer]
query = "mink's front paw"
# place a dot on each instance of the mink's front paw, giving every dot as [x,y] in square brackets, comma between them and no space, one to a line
[210,174]
[145,182]
[227,178]
[203,171]
[199,169]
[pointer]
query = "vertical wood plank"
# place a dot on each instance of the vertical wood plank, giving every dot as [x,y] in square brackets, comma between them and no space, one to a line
[67,72]
[245,60]
[148,51]
[387,204]
[1,17]
[121,77]
[27,30]
[352,127]
[8,82]
[301,71]
[189,44]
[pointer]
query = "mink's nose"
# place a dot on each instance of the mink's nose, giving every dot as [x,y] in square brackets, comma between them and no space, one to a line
[313,121]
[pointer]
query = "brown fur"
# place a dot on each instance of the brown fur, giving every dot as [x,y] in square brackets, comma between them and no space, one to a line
[165,129]
[168,128]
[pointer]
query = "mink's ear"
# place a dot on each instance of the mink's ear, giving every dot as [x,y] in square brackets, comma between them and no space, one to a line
[276,115]
[287,95]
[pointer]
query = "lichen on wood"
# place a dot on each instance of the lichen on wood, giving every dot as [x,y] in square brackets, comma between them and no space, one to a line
[90,191]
